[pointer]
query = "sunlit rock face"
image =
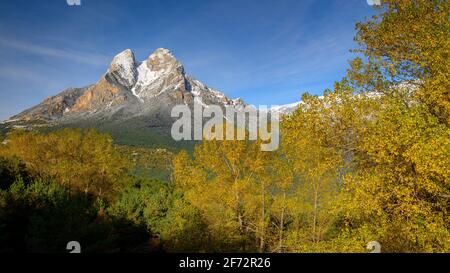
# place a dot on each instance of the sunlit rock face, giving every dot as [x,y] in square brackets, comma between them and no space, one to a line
[130,89]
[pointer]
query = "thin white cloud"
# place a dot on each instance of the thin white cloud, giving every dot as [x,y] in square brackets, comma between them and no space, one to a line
[60,53]
[21,74]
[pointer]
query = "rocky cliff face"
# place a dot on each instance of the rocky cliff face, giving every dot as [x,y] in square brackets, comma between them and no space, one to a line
[128,90]
[52,108]
[132,100]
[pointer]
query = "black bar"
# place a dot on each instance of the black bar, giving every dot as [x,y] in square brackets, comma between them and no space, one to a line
[224,262]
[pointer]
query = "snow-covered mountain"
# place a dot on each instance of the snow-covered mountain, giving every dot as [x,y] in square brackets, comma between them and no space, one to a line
[129,89]
[129,93]
[285,109]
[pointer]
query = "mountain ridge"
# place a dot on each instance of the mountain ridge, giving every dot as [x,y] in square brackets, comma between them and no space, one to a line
[131,100]
[131,87]
[135,95]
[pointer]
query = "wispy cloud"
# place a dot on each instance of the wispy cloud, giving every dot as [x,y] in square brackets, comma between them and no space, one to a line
[52,52]
[20,74]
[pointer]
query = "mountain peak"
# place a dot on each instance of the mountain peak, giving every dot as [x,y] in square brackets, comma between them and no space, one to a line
[162,50]
[125,57]
[126,52]
[147,89]
[123,68]
[162,59]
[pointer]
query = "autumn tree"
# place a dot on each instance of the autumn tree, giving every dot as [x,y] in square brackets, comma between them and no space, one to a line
[399,192]
[225,181]
[86,161]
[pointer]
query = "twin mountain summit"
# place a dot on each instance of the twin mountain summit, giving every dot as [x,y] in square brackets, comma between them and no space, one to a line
[132,101]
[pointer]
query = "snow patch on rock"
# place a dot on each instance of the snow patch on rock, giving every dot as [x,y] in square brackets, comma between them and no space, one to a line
[123,68]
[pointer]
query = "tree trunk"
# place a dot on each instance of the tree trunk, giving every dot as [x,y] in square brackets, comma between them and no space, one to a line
[262,242]
[280,240]
[315,212]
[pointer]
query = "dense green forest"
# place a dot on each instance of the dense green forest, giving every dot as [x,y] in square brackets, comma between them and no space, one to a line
[368,161]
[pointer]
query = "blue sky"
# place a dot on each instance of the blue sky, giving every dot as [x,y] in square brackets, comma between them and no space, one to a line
[264,51]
